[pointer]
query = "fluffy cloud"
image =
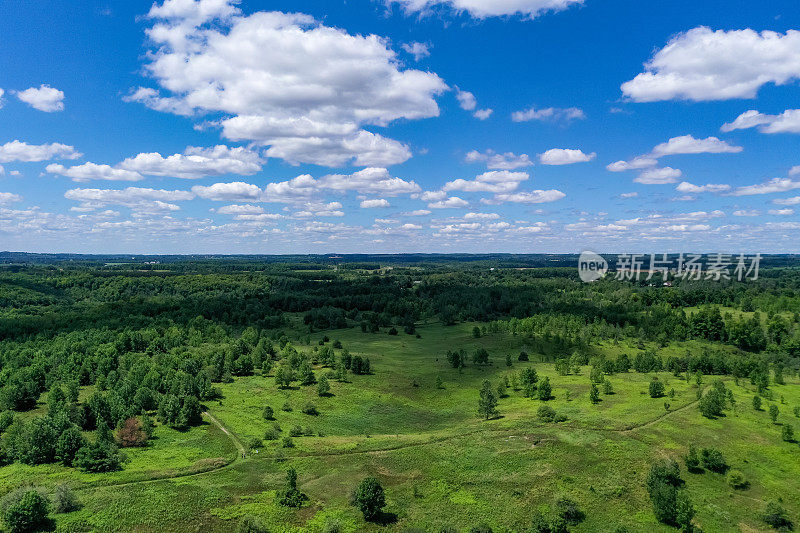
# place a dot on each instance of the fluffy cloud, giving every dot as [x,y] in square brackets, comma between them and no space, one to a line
[8,197]
[92,171]
[563,156]
[320,209]
[786,122]
[20,151]
[781,212]
[138,199]
[687,144]
[468,102]
[490,8]
[494,181]
[554,114]
[532,197]
[683,145]
[637,163]
[45,98]
[795,200]
[495,161]
[689,188]
[245,209]
[229,192]
[481,216]
[305,188]
[2,92]
[418,50]
[192,164]
[772,186]
[377,203]
[659,176]
[196,163]
[308,103]
[703,65]
[369,181]
[449,203]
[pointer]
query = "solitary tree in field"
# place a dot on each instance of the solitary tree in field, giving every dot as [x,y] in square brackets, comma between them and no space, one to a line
[323,387]
[787,433]
[594,394]
[757,402]
[291,496]
[545,390]
[370,499]
[487,403]
[656,388]
[773,413]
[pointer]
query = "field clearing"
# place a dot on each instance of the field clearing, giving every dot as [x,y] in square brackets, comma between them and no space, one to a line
[440,463]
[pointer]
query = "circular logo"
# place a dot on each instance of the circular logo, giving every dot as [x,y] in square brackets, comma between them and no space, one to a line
[591,267]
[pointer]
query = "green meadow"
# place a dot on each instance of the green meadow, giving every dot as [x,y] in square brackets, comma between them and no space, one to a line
[413,424]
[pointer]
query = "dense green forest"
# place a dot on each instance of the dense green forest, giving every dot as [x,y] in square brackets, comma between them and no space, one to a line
[106,364]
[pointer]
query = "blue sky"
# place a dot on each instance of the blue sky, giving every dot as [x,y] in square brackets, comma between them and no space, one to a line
[386,126]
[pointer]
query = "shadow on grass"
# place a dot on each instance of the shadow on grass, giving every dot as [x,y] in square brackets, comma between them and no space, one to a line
[384,519]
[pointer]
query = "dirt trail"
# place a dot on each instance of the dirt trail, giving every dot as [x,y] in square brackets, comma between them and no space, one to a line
[230,434]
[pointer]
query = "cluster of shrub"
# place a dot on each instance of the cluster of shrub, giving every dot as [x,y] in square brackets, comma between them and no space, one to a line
[29,509]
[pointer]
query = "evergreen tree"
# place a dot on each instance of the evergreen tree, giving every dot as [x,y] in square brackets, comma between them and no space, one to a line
[487,403]
[594,394]
[545,391]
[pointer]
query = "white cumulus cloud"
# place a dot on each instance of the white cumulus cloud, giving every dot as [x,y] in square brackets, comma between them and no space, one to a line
[196,163]
[687,144]
[376,203]
[495,161]
[772,186]
[449,203]
[308,104]
[8,197]
[92,171]
[44,98]
[494,181]
[659,176]
[702,64]
[786,122]
[28,153]
[689,188]
[565,156]
[553,114]
[417,49]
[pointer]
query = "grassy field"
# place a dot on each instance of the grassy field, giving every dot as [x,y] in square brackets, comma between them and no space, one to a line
[440,464]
